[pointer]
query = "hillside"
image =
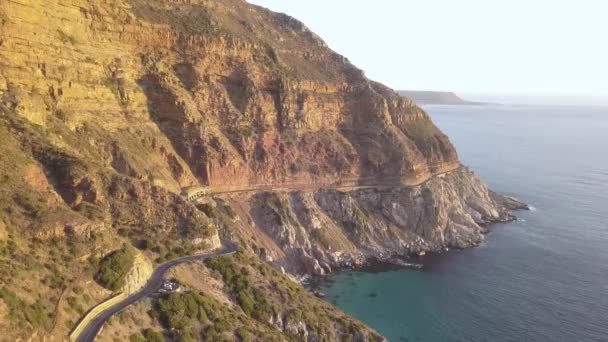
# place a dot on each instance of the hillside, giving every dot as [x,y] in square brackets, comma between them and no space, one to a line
[109,108]
[434,97]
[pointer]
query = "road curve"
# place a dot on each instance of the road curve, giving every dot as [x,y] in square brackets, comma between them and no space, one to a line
[154,283]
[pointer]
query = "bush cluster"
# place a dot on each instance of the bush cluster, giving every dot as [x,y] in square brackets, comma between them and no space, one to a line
[35,314]
[179,311]
[239,281]
[114,268]
[149,335]
[213,212]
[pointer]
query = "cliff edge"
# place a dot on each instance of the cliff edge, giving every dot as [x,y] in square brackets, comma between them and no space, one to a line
[109,108]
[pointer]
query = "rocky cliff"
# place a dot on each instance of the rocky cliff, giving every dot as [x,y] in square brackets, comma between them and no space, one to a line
[315,232]
[109,108]
[216,92]
[138,275]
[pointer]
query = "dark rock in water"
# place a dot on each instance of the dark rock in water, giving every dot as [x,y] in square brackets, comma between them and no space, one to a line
[372,295]
[403,263]
[508,202]
[404,339]
[319,294]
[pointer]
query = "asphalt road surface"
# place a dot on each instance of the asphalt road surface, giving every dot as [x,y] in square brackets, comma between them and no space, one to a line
[152,286]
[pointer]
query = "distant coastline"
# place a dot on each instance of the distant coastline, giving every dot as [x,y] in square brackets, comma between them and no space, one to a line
[423,97]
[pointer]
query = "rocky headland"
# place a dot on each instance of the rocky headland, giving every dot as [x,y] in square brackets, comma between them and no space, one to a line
[109,108]
[425,97]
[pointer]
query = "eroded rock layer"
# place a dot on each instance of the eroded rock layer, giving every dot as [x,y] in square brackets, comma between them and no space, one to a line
[309,232]
[226,93]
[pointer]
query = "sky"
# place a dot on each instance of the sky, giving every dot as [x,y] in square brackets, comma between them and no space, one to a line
[518,47]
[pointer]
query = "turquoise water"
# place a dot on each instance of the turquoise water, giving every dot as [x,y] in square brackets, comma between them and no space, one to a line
[542,278]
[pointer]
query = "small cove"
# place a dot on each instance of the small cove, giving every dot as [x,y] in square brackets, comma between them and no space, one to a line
[541,278]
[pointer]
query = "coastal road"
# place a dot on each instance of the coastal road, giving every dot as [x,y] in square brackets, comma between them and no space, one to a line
[386,183]
[153,285]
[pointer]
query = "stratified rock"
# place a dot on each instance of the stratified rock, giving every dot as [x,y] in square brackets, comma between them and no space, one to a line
[139,274]
[345,228]
[205,99]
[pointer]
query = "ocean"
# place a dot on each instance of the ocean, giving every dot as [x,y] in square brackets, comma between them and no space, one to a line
[541,278]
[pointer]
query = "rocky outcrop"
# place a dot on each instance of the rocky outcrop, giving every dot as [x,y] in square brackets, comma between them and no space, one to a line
[319,231]
[295,326]
[138,276]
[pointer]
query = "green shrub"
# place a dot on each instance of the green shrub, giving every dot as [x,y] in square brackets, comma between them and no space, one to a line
[186,337]
[74,304]
[246,302]
[214,212]
[177,310]
[137,337]
[35,314]
[30,202]
[77,289]
[90,211]
[54,280]
[114,268]
[147,244]
[154,336]
[243,334]
[250,299]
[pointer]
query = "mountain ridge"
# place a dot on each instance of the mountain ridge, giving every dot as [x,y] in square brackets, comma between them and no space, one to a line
[423,97]
[109,108]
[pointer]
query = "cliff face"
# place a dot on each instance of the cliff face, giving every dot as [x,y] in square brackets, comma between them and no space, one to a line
[225,93]
[315,232]
[109,108]
[138,275]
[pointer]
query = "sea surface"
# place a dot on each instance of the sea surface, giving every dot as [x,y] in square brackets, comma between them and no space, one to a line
[542,278]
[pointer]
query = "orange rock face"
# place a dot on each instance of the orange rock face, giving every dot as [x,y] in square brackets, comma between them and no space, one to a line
[108,108]
[221,93]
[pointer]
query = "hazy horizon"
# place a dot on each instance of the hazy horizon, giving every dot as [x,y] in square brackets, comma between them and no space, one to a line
[519,98]
[542,49]
[537,99]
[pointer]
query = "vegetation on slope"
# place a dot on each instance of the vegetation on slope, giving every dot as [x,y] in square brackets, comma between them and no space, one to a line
[19,311]
[114,268]
[264,305]
[239,282]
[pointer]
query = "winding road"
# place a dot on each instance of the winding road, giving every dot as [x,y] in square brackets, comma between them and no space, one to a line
[155,282]
[152,286]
